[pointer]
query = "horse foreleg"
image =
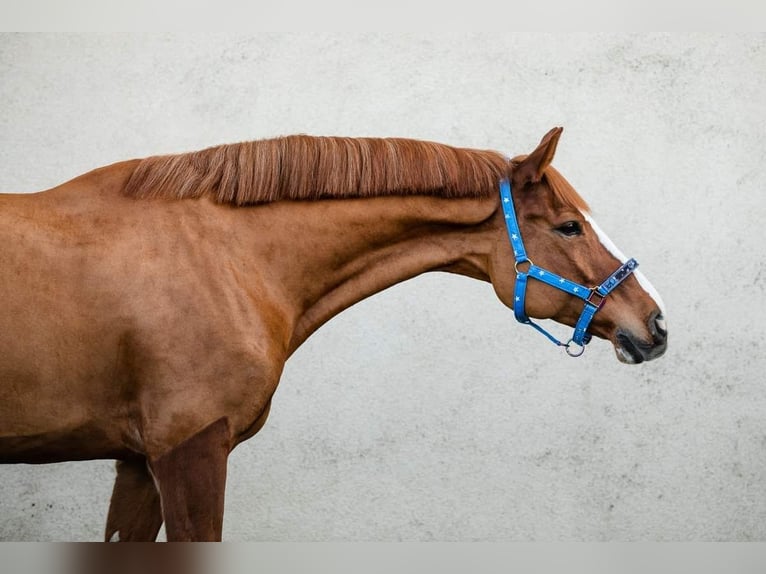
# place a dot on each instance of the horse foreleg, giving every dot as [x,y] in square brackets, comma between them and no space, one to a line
[134,511]
[191,478]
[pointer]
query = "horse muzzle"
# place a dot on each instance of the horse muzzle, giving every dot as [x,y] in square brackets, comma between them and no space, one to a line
[633,349]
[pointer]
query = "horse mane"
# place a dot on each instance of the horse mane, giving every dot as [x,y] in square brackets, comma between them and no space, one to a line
[302,167]
[562,190]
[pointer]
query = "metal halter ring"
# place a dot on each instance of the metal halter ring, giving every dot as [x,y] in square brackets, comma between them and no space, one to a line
[579,350]
[516,266]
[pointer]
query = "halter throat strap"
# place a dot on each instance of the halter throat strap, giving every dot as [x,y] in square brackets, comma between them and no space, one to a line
[593,297]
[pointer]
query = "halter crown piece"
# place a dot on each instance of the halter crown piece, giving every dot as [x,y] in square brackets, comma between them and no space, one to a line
[594,297]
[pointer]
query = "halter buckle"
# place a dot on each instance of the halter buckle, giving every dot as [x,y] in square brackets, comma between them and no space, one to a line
[595,298]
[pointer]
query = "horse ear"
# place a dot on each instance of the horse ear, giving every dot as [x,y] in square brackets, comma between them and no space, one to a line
[531,169]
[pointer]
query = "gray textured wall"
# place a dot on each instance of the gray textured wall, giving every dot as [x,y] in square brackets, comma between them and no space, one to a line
[426,412]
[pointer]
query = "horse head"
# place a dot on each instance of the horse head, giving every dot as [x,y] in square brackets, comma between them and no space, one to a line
[566,269]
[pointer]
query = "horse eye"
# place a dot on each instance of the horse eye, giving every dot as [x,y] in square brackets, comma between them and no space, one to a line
[570,229]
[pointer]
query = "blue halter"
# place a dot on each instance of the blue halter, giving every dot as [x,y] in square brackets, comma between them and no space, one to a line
[594,297]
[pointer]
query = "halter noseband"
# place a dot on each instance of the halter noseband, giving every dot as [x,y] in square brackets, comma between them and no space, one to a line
[594,297]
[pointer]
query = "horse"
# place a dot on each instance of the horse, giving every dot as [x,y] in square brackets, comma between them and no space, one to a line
[149,306]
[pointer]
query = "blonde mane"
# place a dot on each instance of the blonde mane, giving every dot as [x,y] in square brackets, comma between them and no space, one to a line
[301,167]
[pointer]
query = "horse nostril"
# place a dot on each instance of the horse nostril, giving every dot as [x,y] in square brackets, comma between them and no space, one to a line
[658,328]
[662,326]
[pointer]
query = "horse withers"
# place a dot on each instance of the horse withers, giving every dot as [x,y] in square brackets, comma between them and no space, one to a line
[148,307]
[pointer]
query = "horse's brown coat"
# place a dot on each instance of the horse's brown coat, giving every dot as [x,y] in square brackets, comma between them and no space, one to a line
[137,310]
[135,513]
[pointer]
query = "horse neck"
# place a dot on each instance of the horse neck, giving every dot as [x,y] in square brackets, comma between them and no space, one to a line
[342,251]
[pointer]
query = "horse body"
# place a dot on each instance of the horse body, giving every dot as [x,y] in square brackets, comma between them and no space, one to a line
[155,319]
[154,331]
[111,332]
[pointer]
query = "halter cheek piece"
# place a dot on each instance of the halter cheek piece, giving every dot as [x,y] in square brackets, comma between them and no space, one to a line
[594,297]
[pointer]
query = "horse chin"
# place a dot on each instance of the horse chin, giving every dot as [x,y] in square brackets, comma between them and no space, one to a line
[626,356]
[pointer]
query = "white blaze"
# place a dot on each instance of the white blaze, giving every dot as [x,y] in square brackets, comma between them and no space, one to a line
[642,280]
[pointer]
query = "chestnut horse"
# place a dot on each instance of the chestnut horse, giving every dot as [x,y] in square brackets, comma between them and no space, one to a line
[148,307]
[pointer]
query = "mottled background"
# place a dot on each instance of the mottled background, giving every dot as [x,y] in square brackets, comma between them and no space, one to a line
[426,412]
